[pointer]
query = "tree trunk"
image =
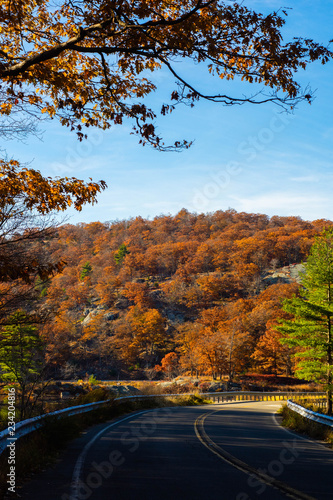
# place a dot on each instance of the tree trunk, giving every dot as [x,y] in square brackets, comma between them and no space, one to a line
[329,401]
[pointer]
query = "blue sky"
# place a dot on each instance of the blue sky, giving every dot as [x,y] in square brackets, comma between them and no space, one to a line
[249,158]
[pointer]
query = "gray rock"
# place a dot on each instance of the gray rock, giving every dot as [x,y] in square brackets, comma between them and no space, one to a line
[122,303]
[67,387]
[175,317]
[72,388]
[89,317]
[217,386]
[111,316]
[156,294]
[123,390]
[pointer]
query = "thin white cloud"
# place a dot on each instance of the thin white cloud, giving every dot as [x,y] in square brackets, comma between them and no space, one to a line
[284,203]
[306,178]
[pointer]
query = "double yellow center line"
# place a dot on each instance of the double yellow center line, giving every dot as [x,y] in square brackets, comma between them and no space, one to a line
[239,464]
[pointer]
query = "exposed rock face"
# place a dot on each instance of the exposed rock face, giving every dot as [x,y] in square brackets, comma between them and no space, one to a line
[89,317]
[156,294]
[111,316]
[174,317]
[90,312]
[287,274]
[122,303]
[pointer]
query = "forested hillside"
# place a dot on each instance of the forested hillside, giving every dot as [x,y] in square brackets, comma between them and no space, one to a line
[185,293]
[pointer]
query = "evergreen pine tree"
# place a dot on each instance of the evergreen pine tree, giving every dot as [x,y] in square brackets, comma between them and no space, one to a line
[121,254]
[21,359]
[311,329]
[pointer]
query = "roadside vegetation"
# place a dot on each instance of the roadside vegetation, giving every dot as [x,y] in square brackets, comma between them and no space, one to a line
[302,425]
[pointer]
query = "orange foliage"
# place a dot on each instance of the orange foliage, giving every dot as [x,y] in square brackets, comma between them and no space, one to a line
[195,285]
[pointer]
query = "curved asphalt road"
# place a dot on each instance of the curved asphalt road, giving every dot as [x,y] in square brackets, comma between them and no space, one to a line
[228,451]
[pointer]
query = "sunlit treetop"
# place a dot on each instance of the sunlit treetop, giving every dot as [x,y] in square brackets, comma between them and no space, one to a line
[29,188]
[90,62]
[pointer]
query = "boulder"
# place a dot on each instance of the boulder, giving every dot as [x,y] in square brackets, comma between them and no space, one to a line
[122,303]
[156,294]
[111,316]
[123,390]
[216,387]
[89,317]
[174,317]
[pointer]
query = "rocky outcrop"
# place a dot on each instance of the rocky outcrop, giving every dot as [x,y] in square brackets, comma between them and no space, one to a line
[122,303]
[286,274]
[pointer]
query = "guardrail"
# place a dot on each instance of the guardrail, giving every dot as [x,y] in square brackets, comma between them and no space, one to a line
[312,415]
[26,426]
[29,425]
[224,397]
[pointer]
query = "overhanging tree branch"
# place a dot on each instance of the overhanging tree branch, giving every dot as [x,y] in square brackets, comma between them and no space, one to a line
[60,72]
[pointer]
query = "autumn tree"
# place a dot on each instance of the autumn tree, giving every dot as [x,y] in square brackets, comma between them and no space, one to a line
[26,200]
[214,357]
[169,365]
[187,339]
[61,339]
[270,355]
[141,336]
[138,293]
[88,64]
[310,332]
[96,342]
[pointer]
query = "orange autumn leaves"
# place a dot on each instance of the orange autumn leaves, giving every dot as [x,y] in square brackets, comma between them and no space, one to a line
[43,194]
[26,198]
[181,287]
[93,64]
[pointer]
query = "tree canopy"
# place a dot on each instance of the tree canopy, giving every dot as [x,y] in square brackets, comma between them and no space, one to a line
[311,329]
[89,63]
[186,285]
[26,197]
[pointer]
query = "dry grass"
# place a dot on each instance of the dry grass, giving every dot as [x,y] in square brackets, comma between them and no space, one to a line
[303,425]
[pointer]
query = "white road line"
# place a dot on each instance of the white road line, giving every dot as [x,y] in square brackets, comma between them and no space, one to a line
[75,484]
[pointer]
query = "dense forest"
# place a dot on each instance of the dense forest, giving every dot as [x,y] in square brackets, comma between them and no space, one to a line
[190,293]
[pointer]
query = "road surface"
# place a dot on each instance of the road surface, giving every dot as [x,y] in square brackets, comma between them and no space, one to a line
[225,451]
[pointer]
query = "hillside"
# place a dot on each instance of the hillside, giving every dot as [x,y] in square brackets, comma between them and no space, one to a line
[206,288]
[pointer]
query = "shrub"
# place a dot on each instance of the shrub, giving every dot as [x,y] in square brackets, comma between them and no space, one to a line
[93,396]
[93,380]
